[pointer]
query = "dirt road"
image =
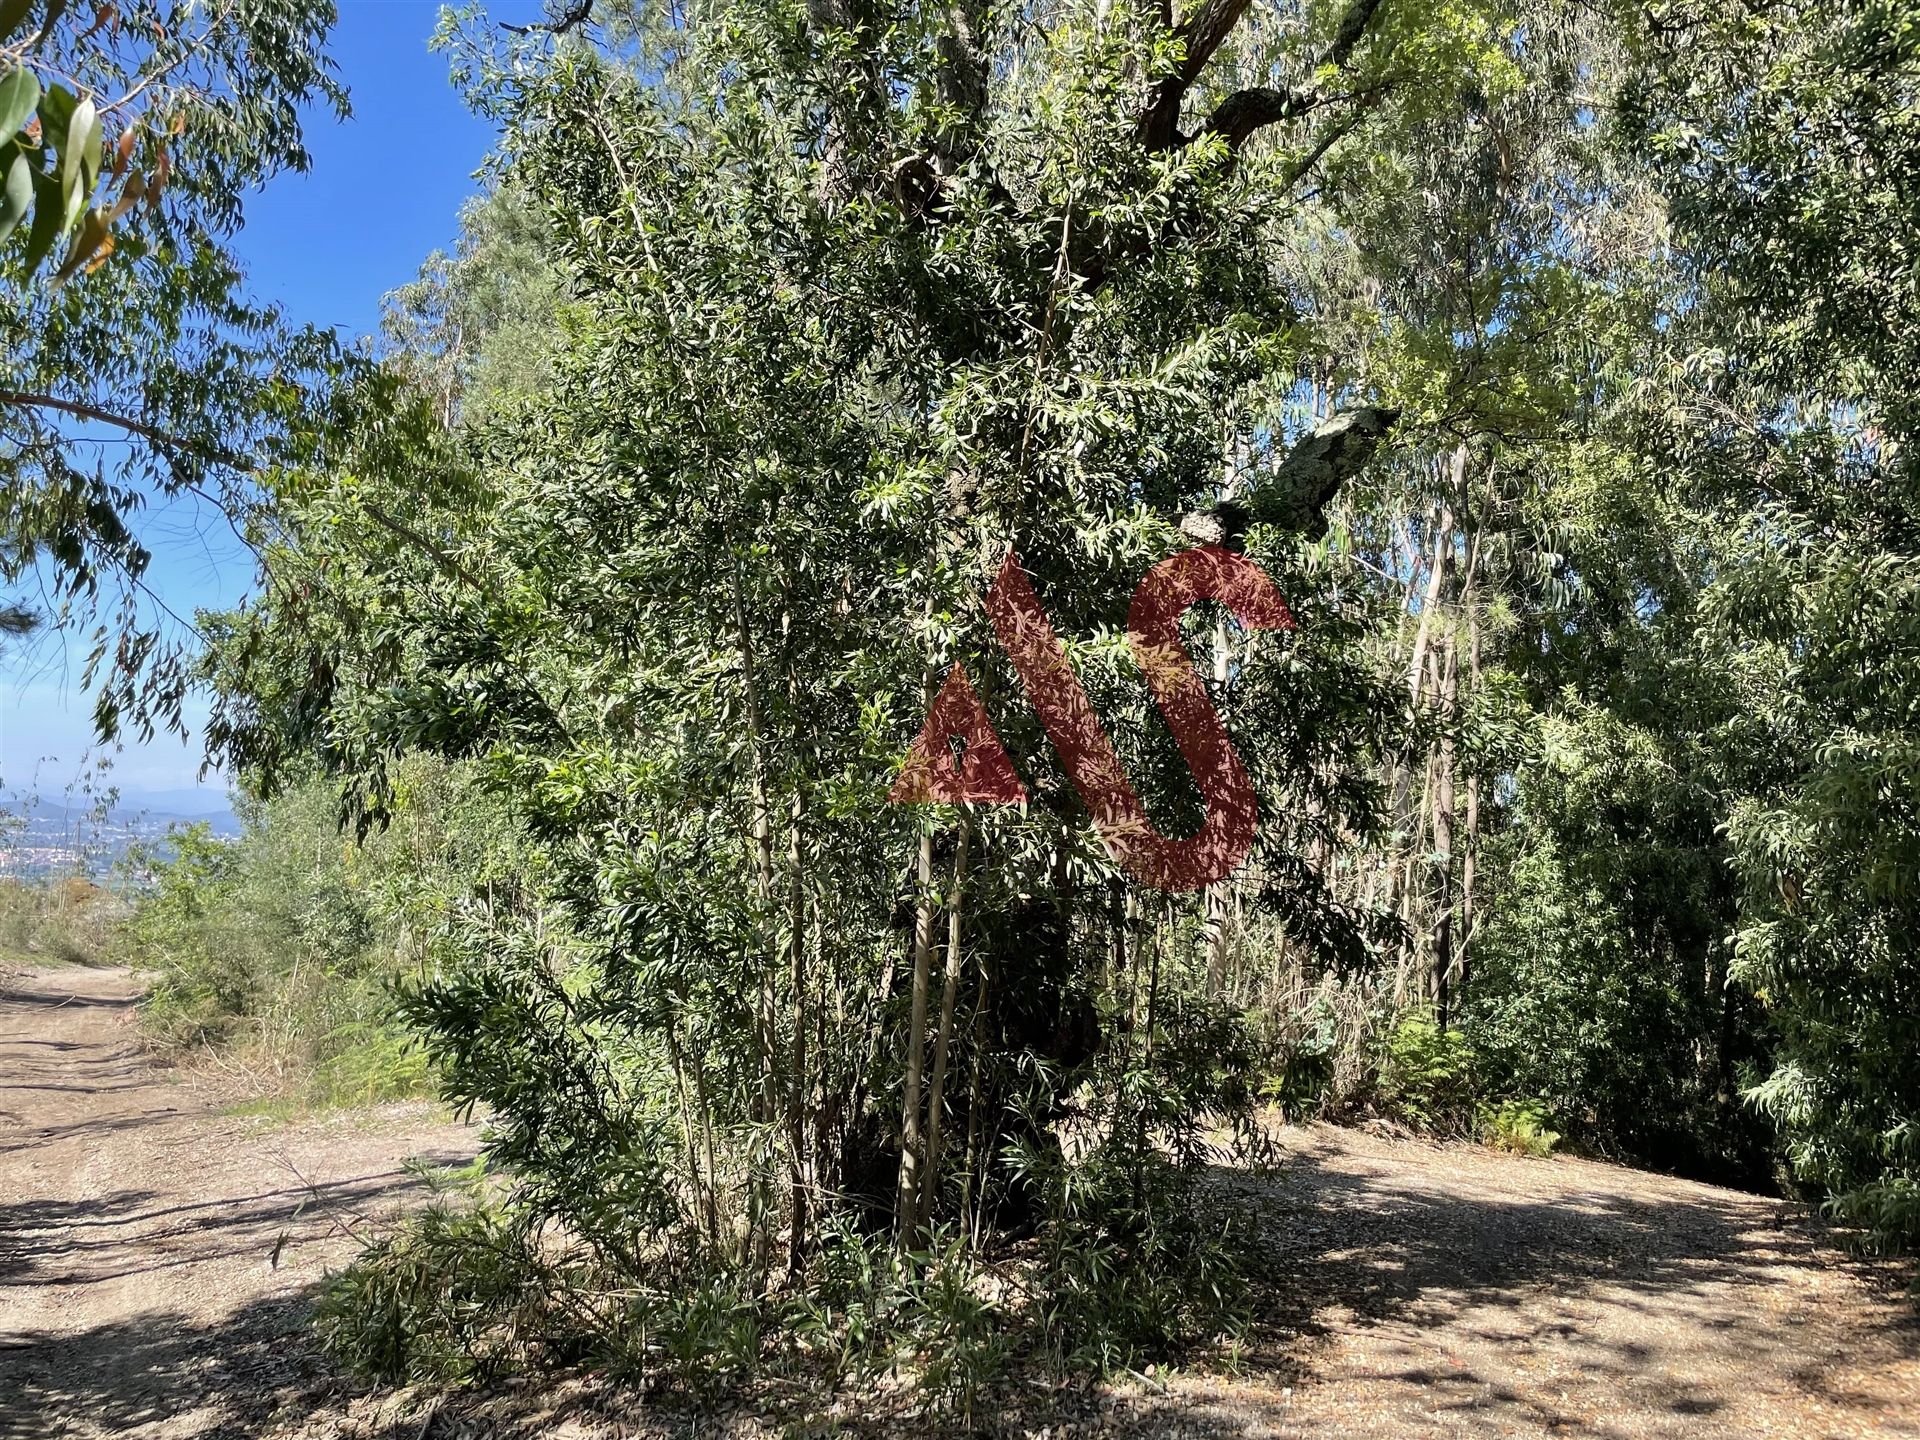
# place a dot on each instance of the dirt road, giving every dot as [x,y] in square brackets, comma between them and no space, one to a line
[156,1255]
[155,1252]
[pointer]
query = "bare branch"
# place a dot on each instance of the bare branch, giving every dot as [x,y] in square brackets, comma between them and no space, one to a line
[1203,32]
[572,18]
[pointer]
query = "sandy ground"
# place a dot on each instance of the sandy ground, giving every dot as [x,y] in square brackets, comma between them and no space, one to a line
[157,1255]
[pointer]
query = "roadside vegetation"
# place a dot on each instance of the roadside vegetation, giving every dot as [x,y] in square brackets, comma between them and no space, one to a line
[1552,360]
[279,950]
[69,921]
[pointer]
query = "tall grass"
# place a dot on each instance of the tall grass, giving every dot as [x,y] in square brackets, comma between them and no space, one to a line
[61,921]
[278,948]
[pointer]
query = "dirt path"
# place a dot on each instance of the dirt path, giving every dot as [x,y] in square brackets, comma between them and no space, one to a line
[1438,1291]
[155,1253]
[156,1256]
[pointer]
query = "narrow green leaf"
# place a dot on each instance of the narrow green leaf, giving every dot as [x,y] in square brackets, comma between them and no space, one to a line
[92,147]
[17,196]
[19,94]
[49,209]
[13,14]
[73,148]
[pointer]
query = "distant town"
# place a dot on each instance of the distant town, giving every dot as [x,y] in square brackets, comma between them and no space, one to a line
[41,840]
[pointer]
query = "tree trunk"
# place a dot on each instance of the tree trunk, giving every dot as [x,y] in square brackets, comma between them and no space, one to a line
[949,993]
[1217,894]
[797,1165]
[1443,844]
[907,1217]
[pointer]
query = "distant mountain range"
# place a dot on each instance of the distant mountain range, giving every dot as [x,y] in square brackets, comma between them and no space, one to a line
[195,802]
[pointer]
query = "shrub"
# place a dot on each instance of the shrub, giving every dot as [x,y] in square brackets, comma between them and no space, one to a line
[872,1308]
[65,921]
[1427,1077]
[284,943]
[1519,1127]
[1884,1213]
[454,1291]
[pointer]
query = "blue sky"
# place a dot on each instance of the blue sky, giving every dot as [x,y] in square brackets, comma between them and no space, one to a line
[327,246]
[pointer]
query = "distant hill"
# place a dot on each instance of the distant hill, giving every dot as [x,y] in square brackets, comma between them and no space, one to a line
[56,837]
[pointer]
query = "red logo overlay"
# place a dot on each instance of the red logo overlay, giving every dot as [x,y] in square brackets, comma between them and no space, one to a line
[983,774]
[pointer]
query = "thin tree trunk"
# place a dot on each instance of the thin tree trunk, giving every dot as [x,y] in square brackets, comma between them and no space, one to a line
[906,1201]
[949,994]
[1470,856]
[797,1166]
[1443,843]
[1217,892]
[766,1104]
[703,1185]
[973,1181]
[1436,578]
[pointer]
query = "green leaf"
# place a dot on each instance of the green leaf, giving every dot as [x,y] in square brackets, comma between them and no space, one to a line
[75,166]
[13,14]
[17,195]
[49,211]
[92,146]
[57,105]
[19,93]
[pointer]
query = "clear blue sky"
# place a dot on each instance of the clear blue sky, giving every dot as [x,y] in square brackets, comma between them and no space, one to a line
[385,189]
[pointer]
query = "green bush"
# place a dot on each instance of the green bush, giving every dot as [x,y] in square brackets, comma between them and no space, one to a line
[1519,1127]
[1427,1077]
[283,944]
[454,1291]
[1884,1213]
[871,1308]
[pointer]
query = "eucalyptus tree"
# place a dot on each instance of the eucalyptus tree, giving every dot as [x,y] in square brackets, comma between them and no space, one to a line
[1785,139]
[135,367]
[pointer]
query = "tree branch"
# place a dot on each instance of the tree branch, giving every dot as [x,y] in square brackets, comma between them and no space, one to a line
[1245,111]
[1203,32]
[1297,494]
[214,454]
[80,410]
[572,18]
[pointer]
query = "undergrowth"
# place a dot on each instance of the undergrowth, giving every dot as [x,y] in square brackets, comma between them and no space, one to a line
[1136,1263]
[276,951]
[61,921]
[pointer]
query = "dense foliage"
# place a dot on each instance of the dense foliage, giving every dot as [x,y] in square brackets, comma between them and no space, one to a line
[281,945]
[1540,353]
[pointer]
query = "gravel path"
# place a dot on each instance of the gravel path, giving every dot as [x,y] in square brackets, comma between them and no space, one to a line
[1430,1290]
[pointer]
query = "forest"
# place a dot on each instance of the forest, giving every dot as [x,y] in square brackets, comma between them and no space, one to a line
[1549,363]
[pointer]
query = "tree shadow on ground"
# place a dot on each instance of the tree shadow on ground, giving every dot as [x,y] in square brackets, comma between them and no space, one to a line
[1657,1312]
[1672,1307]
[48,1000]
[258,1362]
[222,1380]
[70,1243]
